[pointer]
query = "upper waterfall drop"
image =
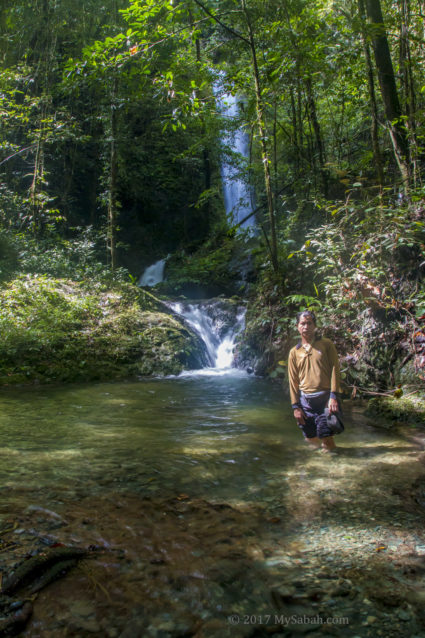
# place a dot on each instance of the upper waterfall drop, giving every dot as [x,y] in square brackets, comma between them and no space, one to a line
[237,193]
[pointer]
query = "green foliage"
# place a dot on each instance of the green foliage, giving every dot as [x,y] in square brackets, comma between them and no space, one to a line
[8,256]
[78,258]
[119,108]
[58,330]
[304,302]
[216,266]
[366,253]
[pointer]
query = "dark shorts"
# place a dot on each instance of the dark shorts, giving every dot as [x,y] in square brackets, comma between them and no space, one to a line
[315,422]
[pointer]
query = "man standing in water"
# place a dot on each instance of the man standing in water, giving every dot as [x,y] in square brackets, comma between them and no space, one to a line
[314,382]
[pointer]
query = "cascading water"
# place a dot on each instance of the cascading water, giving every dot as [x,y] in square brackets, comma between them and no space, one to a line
[238,195]
[219,338]
[206,319]
[153,274]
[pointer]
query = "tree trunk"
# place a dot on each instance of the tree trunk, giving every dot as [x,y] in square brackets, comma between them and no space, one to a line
[112,190]
[317,134]
[263,141]
[205,151]
[388,87]
[377,156]
[408,84]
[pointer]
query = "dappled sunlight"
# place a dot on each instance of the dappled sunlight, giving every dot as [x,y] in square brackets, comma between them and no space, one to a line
[202,496]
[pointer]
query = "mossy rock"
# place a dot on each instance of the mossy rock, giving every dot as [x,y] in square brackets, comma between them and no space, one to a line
[61,331]
[409,410]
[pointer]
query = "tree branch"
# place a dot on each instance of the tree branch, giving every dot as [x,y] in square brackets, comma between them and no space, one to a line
[27,148]
[214,17]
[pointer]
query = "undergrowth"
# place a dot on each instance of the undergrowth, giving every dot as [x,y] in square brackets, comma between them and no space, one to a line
[361,268]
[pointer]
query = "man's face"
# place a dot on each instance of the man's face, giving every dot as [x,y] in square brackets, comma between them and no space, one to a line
[306,327]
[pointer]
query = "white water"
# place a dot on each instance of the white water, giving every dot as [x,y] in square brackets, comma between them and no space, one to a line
[238,195]
[219,347]
[153,274]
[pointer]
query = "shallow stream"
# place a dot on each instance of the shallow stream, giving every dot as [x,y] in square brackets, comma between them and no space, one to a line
[218,435]
[206,502]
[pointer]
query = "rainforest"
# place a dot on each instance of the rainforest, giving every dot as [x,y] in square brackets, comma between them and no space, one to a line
[178,179]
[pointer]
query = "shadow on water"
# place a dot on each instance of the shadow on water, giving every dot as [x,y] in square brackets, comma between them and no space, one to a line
[208,505]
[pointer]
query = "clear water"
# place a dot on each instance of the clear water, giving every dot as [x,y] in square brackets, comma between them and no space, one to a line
[215,432]
[201,487]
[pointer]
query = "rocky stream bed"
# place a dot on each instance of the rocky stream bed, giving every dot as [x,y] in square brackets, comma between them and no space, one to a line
[338,549]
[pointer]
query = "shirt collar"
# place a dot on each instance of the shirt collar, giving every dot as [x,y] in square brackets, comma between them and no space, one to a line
[299,344]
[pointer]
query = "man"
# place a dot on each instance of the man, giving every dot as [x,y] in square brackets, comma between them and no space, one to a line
[314,382]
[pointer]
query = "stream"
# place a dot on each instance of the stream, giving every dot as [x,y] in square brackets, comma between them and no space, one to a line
[212,517]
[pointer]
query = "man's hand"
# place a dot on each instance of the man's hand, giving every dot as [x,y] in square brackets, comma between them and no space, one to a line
[299,416]
[333,406]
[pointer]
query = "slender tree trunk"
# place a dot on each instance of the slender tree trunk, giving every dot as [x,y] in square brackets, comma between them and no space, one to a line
[388,87]
[205,151]
[112,190]
[37,179]
[297,136]
[275,157]
[294,128]
[317,134]
[377,156]
[409,94]
[312,156]
[45,40]
[263,141]
[406,64]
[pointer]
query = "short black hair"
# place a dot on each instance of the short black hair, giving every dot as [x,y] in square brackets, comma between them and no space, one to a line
[306,313]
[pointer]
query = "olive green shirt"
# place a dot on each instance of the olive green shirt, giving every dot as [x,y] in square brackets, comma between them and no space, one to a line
[315,370]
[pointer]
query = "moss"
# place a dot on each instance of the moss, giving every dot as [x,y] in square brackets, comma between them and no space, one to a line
[404,410]
[59,330]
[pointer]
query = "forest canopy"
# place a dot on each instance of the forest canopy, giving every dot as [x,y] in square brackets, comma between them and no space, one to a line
[110,149]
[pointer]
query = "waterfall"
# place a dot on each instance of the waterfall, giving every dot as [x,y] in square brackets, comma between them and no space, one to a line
[153,274]
[238,195]
[216,329]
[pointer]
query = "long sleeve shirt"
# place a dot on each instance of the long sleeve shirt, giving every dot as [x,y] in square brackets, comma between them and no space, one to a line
[313,371]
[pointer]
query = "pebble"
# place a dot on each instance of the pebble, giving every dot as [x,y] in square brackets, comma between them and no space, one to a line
[403,614]
[82,608]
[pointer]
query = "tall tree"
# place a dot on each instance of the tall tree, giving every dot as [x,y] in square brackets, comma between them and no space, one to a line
[263,137]
[372,98]
[393,112]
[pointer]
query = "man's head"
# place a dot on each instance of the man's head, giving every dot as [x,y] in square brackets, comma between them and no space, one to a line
[306,324]
[306,313]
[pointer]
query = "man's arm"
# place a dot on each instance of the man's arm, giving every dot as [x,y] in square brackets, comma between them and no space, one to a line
[335,378]
[294,388]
